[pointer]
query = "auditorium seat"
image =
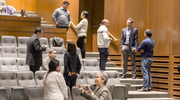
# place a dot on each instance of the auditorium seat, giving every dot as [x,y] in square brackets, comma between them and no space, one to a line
[91,65]
[8,41]
[61,61]
[45,53]
[76,94]
[35,93]
[2,4]
[60,51]
[44,42]
[39,77]
[8,79]
[81,79]
[22,41]
[51,42]
[69,94]
[113,77]
[22,52]
[21,64]
[91,75]
[8,64]
[9,52]
[3,94]
[78,52]
[26,79]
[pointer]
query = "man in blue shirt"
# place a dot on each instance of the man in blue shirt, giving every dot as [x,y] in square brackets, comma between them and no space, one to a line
[146,49]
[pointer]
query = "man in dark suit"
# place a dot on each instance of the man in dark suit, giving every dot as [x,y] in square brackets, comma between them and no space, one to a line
[129,41]
[34,50]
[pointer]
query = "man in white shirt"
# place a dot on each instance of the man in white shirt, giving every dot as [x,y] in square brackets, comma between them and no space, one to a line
[103,43]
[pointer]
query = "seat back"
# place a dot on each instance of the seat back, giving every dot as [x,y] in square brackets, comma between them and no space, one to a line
[76,94]
[91,75]
[9,52]
[36,93]
[8,79]
[60,51]
[113,77]
[8,64]
[69,94]
[26,79]
[3,94]
[62,65]
[21,63]
[8,41]
[81,79]
[22,51]
[44,42]
[39,77]
[91,65]
[22,41]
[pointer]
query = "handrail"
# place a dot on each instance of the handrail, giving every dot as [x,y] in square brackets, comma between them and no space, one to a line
[115,39]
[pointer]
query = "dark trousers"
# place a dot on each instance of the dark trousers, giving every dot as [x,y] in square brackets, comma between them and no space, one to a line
[81,45]
[34,68]
[58,26]
[70,80]
[104,52]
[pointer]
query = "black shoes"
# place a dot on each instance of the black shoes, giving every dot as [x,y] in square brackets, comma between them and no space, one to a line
[123,76]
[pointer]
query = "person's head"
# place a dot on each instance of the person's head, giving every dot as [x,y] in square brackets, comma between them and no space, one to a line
[84,14]
[39,32]
[65,5]
[105,22]
[23,12]
[101,79]
[148,33]
[54,66]
[71,48]
[129,22]
[178,68]
[52,54]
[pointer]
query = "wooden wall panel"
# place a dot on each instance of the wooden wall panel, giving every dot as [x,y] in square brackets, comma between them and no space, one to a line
[29,5]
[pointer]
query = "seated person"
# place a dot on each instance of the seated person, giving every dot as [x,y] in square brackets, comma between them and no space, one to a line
[178,68]
[100,92]
[54,84]
[23,13]
[52,55]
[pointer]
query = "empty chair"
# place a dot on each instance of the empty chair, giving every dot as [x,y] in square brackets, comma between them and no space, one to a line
[69,94]
[8,64]
[61,61]
[91,65]
[9,52]
[45,53]
[51,42]
[26,79]
[44,42]
[22,51]
[21,64]
[76,94]
[78,52]
[81,79]
[2,4]
[3,94]
[39,77]
[22,41]
[8,41]
[113,77]
[91,75]
[35,93]
[60,51]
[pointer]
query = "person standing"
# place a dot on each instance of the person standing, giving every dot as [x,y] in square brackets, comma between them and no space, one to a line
[72,65]
[129,41]
[61,16]
[146,48]
[103,42]
[82,32]
[34,50]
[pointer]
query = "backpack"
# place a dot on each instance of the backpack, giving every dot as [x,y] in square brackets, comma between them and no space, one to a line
[57,42]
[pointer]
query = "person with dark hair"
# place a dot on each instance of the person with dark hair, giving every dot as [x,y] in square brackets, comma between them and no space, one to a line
[23,13]
[101,92]
[146,48]
[129,41]
[82,32]
[178,68]
[103,42]
[61,16]
[54,84]
[34,50]
[72,65]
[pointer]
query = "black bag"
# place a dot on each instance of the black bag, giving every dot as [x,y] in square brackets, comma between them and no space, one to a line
[57,42]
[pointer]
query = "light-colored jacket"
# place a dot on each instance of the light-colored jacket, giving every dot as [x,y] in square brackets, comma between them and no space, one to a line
[54,86]
[103,37]
[82,28]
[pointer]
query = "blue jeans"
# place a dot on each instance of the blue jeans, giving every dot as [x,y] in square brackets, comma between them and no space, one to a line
[146,71]
[104,52]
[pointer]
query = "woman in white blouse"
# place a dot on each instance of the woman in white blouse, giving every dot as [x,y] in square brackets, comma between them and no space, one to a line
[54,84]
[82,32]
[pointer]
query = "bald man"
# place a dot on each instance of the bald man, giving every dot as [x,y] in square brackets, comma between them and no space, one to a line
[103,42]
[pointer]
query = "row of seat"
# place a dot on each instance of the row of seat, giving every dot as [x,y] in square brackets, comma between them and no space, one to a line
[22,41]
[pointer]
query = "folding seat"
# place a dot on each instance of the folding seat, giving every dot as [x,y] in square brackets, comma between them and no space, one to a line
[91,65]
[81,79]
[8,64]
[78,52]
[22,52]
[45,53]
[22,41]
[26,79]
[76,94]
[21,64]
[44,42]
[2,4]
[8,41]
[91,75]
[35,93]
[61,61]
[3,94]
[60,51]
[9,52]
[51,43]
[69,94]
[39,77]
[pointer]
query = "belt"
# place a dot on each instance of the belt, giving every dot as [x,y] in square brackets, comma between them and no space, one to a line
[72,73]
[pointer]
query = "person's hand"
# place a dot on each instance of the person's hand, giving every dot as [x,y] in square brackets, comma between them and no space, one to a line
[134,49]
[80,87]
[56,23]
[69,74]
[110,39]
[77,74]
[45,46]
[89,90]
[142,50]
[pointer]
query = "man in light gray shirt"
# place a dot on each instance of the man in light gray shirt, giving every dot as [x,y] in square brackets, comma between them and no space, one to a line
[61,16]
